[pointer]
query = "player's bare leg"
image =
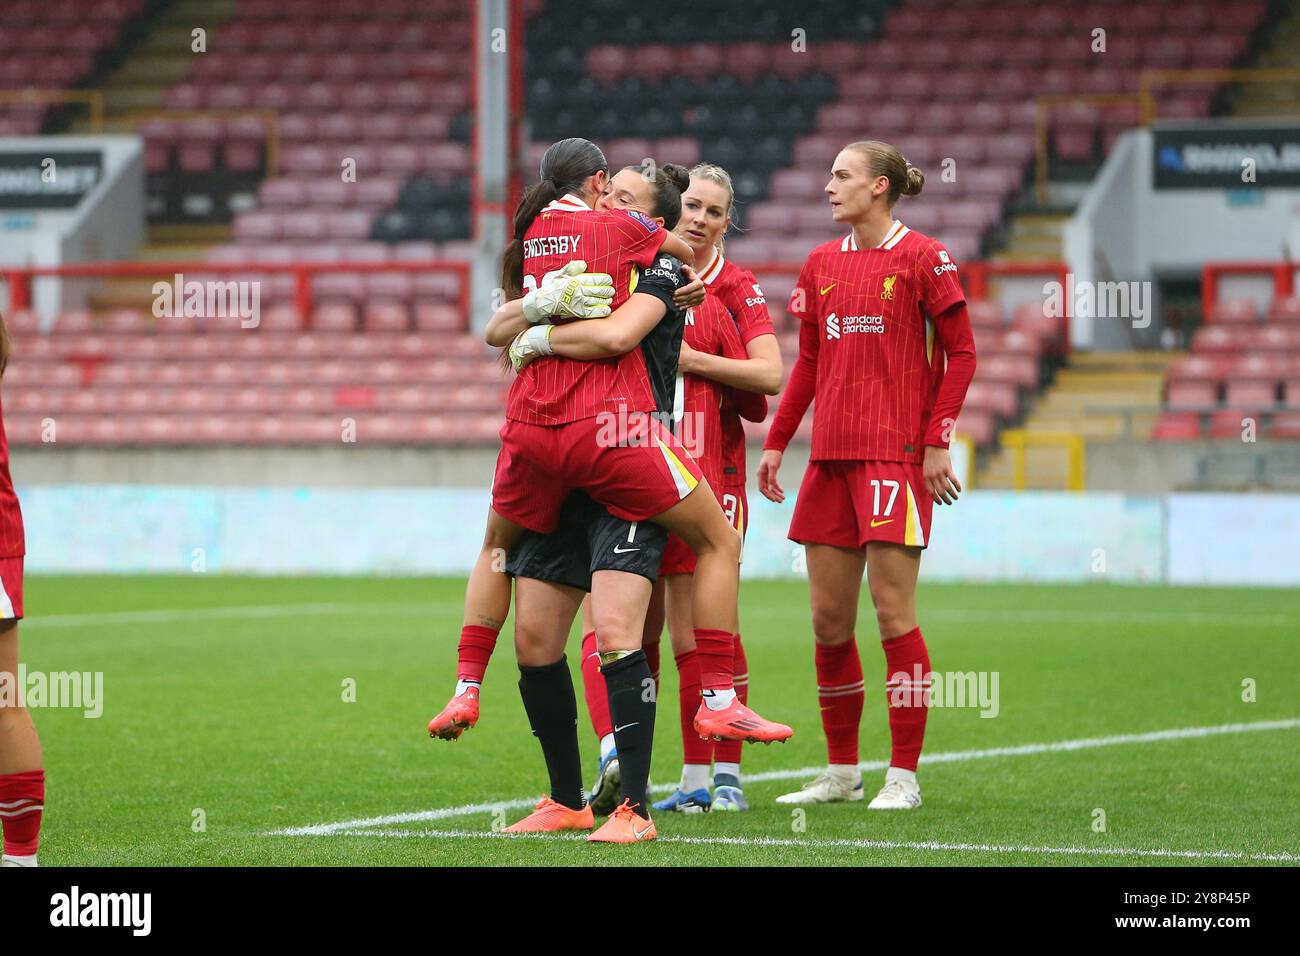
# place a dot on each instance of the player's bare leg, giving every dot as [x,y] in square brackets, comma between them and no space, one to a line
[22,777]
[834,580]
[543,615]
[893,570]
[487,602]
[699,521]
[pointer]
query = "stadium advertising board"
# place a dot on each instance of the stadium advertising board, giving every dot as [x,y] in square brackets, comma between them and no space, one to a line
[55,179]
[1226,157]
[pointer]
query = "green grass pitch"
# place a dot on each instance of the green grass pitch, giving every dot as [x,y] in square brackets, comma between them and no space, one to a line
[227,696]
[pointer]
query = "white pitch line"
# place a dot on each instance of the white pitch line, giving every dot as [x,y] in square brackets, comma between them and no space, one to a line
[858,845]
[953,615]
[1085,743]
[244,612]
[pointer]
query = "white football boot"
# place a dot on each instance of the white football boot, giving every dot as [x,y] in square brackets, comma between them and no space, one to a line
[900,792]
[835,785]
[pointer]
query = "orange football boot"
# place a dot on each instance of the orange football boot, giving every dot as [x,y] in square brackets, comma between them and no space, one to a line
[460,714]
[551,817]
[738,722]
[624,826]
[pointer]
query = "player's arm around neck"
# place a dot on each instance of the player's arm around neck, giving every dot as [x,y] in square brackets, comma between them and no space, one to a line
[616,335]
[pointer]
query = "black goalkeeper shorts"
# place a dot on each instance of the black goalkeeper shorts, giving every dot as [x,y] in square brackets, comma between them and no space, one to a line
[587,539]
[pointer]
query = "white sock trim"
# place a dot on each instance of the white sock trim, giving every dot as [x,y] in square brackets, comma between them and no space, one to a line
[898,773]
[694,777]
[719,699]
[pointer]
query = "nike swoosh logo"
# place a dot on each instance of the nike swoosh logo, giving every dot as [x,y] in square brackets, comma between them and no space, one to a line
[626,726]
[827,289]
[877,524]
[640,834]
[618,550]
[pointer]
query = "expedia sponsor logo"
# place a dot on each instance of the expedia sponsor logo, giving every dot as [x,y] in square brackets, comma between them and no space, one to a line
[664,269]
[948,264]
[837,325]
[757,298]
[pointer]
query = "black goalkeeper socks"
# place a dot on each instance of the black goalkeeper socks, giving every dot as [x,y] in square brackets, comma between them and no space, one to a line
[553,714]
[631,690]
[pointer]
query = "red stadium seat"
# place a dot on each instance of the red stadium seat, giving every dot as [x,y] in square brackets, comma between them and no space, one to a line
[1192,394]
[1285,310]
[1285,426]
[1229,423]
[1177,426]
[1238,310]
[1251,393]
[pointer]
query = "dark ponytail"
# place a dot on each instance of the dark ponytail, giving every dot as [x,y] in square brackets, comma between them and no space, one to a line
[565,166]
[666,188]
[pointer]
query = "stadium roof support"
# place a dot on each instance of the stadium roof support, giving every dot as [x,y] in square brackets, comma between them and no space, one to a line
[498,56]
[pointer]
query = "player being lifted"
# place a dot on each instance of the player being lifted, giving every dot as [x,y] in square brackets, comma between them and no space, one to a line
[729,359]
[22,777]
[886,350]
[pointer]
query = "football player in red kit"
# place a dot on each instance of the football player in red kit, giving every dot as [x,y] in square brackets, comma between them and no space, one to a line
[722,385]
[885,348]
[22,777]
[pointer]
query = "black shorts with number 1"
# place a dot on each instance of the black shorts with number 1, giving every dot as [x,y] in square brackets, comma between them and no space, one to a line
[587,539]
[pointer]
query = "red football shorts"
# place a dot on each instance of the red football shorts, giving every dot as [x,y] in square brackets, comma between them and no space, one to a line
[633,466]
[11,589]
[848,503]
[680,559]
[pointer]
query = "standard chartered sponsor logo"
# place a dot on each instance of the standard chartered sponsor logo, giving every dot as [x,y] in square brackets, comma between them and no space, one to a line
[837,325]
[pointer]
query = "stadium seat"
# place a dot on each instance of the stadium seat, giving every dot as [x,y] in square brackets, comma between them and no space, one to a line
[1235,311]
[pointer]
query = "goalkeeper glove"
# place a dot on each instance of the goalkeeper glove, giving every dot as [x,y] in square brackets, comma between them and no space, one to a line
[571,293]
[530,344]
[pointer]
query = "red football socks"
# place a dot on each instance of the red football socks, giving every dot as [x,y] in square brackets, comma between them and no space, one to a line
[694,750]
[907,684]
[476,646]
[22,798]
[716,652]
[593,687]
[728,751]
[840,694]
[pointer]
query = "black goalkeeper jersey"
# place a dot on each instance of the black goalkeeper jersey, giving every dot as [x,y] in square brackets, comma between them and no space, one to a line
[662,345]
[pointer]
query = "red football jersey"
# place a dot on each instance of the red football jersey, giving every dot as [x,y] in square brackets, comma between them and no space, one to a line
[877,367]
[740,292]
[12,543]
[618,242]
[709,329]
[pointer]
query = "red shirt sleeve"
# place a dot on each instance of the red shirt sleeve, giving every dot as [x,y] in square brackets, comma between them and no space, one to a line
[799,390]
[639,235]
[751,406]
[747,304]
[801,387]
[953,330]
[940,286]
